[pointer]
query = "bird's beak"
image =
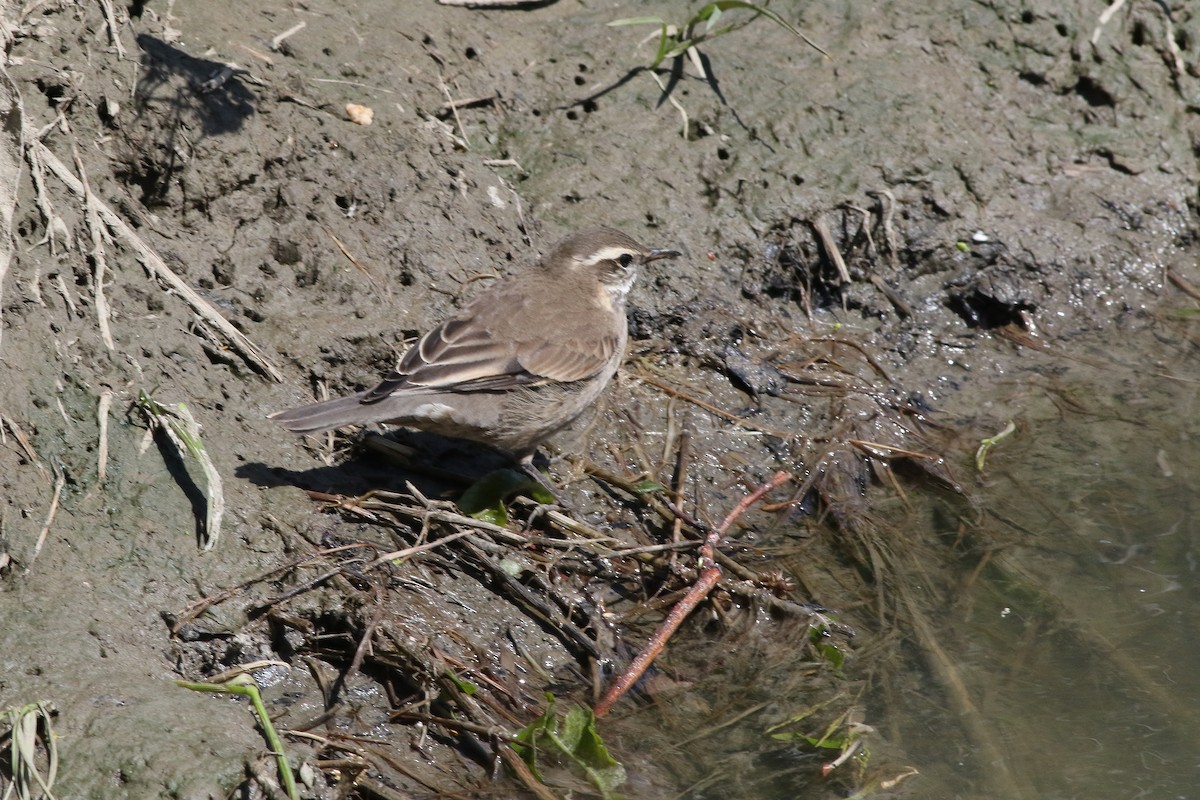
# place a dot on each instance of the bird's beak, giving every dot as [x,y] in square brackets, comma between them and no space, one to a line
[655,255]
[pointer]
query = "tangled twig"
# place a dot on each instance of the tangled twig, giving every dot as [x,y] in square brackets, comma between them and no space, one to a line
[709,576]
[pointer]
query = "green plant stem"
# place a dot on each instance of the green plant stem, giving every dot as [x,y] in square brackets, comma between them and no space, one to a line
[276,744]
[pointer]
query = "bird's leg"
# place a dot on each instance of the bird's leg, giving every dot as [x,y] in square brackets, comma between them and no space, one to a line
[526,465]
[544,481]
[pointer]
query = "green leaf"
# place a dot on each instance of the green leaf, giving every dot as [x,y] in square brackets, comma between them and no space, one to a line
[819,636]
[526,743]
[485,498]
[826,743]
[466,687]
[540,494]
[725,5]
[714,14]
[674,45]
[497,515]
[664,42]
[986,444]
[575,741]
[245,686]
[833,655]
[590,753]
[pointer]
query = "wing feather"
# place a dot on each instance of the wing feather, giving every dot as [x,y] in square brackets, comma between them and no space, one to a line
[463,354]
[566,361]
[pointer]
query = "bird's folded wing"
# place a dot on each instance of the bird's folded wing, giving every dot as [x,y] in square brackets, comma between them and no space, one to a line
[569,359]
[461,355]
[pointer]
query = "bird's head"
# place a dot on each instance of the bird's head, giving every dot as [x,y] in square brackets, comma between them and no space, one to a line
[606,254]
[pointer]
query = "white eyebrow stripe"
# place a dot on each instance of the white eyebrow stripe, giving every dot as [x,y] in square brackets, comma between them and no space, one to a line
[611,253]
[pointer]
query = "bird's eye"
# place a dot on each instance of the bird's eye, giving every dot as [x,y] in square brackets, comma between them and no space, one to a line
[625,259]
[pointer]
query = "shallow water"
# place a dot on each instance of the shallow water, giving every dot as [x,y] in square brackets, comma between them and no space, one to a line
[1038,640]
[1077,642]
[1062,662]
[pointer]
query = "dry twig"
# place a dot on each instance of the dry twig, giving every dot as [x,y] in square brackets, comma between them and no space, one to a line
[26,447]
[106,398]
[278,40]
[709,576]
[98,257]
[154,263]
[110,20]
[41,540]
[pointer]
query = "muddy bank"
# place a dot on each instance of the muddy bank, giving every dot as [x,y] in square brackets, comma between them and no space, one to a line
[976,170]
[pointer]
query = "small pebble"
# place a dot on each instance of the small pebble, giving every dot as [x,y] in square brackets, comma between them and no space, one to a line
[361,115]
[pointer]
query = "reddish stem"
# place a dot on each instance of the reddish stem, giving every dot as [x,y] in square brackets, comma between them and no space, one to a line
[708,579]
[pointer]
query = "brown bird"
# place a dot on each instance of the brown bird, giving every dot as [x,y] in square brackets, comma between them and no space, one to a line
[518,363]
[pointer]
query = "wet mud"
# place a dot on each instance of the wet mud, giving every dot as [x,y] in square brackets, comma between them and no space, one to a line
[887,252]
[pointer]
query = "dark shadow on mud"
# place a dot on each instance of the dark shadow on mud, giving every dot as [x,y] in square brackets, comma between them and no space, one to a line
[213,95]
[195,495]
[439,467]
[182,100]
[674,76]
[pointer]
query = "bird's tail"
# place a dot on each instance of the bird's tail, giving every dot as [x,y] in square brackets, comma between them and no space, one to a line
[326,416]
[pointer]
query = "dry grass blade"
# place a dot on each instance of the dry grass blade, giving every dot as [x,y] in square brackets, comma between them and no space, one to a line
[820,226]
[182,432]
[884,450]
[646,377]
[982,732]
[110,21]
[26,773]
[1104,18]
[26,447]
[670,97]
[1181,283]
[350,257]
[41,540]
[278,40]
[99,258]
[400,555]
[154,263]
[102,408]
[493,3]
[202,605]
[13,115]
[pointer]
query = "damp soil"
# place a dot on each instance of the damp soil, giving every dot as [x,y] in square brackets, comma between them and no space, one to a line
[887,251]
